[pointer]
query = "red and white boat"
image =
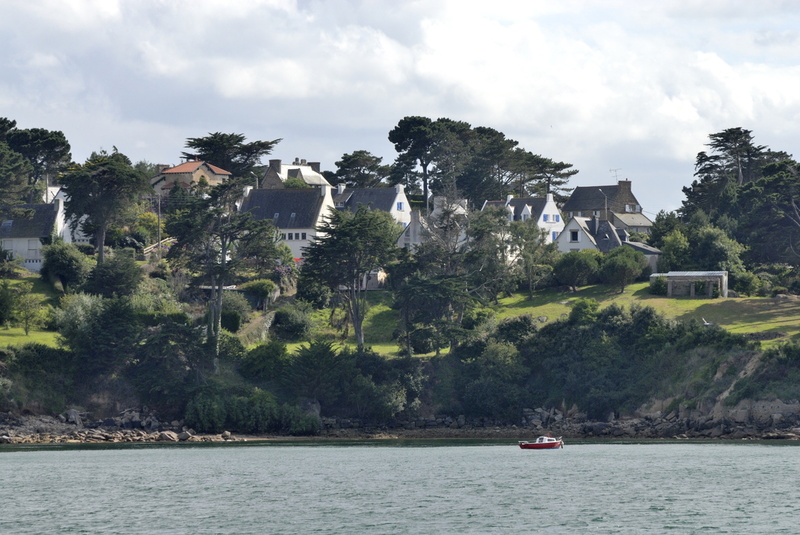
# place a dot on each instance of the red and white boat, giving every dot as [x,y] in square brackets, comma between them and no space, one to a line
[545,442]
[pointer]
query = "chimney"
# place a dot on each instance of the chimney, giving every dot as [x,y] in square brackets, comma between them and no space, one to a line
[508,198]
[303,161]
[340,188]
[549,197]
[296,161]
[624,186]
[275,165]
[399,188]
[314,166]
[323,191]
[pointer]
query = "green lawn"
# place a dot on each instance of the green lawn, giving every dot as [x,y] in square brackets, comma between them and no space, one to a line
[738,315]
[15,336]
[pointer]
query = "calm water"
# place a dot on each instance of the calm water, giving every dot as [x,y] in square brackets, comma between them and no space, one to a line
[410,488]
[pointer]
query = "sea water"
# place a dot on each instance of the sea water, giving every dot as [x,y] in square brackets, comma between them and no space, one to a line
[403,487]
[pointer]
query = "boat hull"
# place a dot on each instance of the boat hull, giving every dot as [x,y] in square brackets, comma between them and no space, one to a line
[541,445]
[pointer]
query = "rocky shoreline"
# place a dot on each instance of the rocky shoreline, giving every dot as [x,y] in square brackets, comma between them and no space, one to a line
[759,421]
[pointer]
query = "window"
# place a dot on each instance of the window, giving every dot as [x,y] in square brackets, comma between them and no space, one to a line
[400,206]
[283,236]
[33,249]
[304,235]
[545,218]
[555,235]
[558,218]
[573,235]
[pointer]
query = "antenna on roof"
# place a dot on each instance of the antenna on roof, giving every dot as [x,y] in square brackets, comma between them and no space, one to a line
[615,172]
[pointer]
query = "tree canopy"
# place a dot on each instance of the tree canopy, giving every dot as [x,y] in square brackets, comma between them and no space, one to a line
[478,163]
[214,241]
[99,192]
[350,248]
[48,153]
[361,170]
[229,151]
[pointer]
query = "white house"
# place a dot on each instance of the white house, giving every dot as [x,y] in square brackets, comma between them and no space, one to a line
[296,212]
[542,210]
[63,226]
[34,227]
[277,173]
[592,233]
[392,200]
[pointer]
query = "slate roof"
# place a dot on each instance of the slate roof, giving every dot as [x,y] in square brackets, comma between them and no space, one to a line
[634,219]
[287,208]
[39,225]
[608,237]
[518,205]
[585,198]
[375,198]
[644,248]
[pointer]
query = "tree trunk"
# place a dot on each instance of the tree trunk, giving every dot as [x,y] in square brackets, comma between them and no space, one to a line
[100,241]
[357,313]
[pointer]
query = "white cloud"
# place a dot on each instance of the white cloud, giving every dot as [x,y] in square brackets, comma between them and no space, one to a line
[621,84]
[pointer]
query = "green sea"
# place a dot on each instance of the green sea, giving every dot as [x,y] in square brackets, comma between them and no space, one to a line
[403,487]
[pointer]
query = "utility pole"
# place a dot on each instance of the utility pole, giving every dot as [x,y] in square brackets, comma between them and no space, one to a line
[158,229]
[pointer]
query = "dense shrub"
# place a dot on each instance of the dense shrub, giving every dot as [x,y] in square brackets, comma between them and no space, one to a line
[211,411]
[292,322]
[119,275]
[516,328]
[235,311]
[230,347]
[658,286]
[265,362]
[260,291]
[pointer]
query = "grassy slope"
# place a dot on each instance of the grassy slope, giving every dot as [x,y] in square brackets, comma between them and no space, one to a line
[740,315]
[16,335]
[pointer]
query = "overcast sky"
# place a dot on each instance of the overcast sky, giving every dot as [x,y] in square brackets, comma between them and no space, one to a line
[620,89]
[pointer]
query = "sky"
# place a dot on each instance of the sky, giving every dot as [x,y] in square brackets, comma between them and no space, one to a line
[620,89]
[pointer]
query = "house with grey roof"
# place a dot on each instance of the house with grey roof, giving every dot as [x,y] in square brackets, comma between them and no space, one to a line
[34,227]
[543,211]
[594,233]
[277,173]
[295,212]
[616,204]
[392,200]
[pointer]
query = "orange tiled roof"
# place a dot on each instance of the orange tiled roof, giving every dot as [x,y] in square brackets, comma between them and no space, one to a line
[191,167]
